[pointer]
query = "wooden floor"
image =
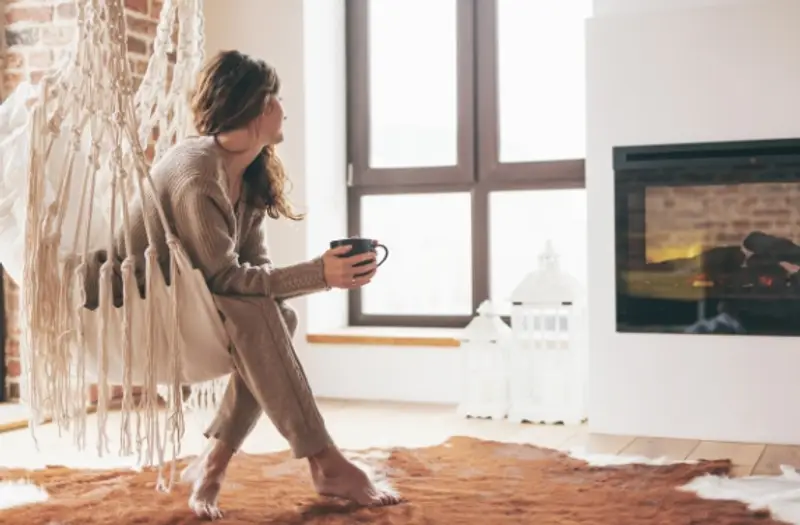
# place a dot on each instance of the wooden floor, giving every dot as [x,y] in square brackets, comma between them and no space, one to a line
[357,425]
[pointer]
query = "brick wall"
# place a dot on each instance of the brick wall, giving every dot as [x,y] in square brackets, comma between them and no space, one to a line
[36,33]
[680,221]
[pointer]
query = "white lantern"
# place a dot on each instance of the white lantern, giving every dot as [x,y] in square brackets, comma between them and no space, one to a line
[485,347]
[548,359]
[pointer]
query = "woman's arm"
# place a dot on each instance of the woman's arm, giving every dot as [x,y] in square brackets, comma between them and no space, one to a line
[200,210]
[253,251]
[253,248]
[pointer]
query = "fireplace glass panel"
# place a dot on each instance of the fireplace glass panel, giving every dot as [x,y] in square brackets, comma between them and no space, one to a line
[709,246]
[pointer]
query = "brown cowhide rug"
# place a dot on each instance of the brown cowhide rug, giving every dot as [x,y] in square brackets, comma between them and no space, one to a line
[464,481]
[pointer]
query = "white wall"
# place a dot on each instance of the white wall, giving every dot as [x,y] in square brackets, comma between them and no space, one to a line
[681,75]
[617,7]
[385,373]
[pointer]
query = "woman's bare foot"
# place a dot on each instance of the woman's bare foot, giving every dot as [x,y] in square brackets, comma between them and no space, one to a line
[336,476]
[206,474]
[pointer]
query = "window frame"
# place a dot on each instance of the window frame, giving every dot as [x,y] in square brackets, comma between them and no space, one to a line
[478,169]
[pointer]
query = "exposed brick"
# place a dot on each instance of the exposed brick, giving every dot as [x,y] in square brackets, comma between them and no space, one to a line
[13,368]
[138,6]
[13,391]
[26,36]
[11,79]
[12,347]
[66,11]
[14,60]
[29,14]
[56,36]
[36,76]
[139,67]
[681,221]
[137,45]
[141,26]
[137,81]
[40,59]
[155,8]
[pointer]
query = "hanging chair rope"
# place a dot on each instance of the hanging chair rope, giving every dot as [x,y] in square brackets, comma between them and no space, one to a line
[91,97]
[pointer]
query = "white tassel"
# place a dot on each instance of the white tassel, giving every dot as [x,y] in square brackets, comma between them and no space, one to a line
[106,306]
[177,423]
[81,393]
[130,292]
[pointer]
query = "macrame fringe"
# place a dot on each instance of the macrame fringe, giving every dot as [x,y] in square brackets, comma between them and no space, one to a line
[92,97]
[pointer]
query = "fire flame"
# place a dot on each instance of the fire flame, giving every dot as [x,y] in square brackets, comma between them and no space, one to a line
[657,255]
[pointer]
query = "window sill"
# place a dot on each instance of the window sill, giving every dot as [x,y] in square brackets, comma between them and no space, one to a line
[388,336]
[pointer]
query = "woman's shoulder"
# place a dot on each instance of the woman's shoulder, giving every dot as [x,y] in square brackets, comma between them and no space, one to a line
[190,167]
[190,157]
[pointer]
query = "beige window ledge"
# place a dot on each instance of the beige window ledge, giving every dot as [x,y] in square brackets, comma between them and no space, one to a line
[387,336]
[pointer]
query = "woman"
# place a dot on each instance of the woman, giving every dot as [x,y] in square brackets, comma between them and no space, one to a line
[217,189]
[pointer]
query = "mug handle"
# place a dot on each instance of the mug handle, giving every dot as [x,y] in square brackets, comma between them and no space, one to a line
[385,253]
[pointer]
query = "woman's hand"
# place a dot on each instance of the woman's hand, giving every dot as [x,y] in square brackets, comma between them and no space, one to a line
[340,272]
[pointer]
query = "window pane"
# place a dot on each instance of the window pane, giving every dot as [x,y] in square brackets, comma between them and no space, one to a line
[429,270]
[541,84]
[556,215]
[413,88]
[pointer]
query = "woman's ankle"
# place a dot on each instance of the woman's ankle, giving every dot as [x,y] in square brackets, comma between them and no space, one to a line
[217,457]
[325,458]
[330,462]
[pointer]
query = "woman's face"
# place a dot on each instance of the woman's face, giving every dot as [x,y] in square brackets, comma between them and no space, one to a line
[271,121]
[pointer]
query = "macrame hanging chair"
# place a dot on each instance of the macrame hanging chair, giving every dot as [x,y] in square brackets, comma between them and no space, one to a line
[73,158]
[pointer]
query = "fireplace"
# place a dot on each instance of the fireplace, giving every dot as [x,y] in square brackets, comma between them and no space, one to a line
[708,238]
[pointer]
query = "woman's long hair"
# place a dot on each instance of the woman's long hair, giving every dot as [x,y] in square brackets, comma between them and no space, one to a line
[232,91]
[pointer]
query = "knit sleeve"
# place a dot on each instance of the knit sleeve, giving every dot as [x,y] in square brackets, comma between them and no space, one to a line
[202,226]
[253,250]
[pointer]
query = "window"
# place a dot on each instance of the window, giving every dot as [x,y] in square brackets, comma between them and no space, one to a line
[466,144]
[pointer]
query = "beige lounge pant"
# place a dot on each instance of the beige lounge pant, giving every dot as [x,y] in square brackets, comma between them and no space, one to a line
[267,378]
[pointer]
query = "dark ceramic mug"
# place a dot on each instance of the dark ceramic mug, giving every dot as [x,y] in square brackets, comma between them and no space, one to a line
[361,245]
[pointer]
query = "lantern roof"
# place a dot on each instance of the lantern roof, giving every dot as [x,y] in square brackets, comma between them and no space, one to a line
[548,284]
[487,324]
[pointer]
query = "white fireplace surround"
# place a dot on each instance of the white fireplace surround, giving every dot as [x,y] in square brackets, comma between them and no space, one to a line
[686,71]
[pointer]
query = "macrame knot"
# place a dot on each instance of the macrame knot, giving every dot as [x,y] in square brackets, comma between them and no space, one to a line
[151,253]
[76,138]
[116,157]
[172,242]
[49,79]
[50,215]
[127,266]
[106,268]
[54,125]
[94,154]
